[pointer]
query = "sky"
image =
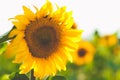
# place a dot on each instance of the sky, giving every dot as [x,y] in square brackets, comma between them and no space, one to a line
[89,15]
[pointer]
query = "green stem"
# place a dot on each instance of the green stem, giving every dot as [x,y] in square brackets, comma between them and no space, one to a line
[5,37]
[32,75]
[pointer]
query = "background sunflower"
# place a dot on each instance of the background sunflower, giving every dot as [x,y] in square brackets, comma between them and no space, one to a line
[84,54]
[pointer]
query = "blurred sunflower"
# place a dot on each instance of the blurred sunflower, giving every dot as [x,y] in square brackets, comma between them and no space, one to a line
[44,40]
[108,40]
[84,54]
[116,50]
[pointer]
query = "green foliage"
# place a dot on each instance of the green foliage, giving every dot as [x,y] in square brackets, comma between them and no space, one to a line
[3,47]
[17,76]
[6,65]
[5,77]
[56,78]
[5,37]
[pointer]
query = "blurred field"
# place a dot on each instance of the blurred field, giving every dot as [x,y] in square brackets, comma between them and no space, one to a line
[105,64]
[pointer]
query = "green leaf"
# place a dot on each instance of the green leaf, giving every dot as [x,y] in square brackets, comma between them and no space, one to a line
[11,67]
[5,77]
[17,76]
[96,33]
[5,37]
[3,47]
[58,78]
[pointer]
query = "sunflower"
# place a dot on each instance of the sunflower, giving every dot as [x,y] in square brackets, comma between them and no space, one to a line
[44,40]
[116,50]
[84,54]
[108,40]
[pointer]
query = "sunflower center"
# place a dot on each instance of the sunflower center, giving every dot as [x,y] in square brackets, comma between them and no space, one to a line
[42,41]
[82,52]
[106,38]
[44,36]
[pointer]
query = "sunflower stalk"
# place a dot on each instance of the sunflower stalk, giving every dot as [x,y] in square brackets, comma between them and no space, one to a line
[4,37]
[32,75]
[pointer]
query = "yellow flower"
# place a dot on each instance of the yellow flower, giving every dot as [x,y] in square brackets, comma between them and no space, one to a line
[108,40]
[84,54]
[116,50]
[44,40]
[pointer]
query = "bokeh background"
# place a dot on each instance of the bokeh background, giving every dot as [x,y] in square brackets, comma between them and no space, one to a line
[100,20]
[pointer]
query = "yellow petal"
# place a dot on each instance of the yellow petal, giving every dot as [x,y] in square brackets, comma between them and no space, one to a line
[28,13]
[68,21]
[52,67]
[14,32]
[27,65]
[19,25]
[45,10]
[69,43]
[22,19]
[39,67]
[60,12]
[60,62]
[68,53]
[72,33]
[13,47]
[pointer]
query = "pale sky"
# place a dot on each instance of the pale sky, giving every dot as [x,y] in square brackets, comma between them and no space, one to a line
[103,15]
